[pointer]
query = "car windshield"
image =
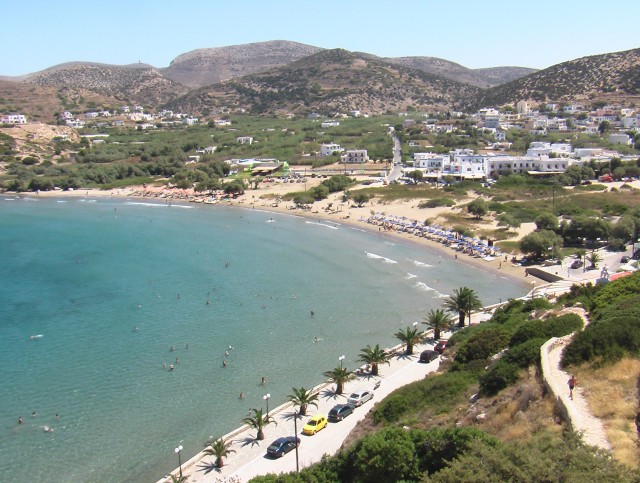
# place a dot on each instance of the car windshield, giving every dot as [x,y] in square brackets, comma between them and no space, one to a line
[273,446]
[355,396]
[312,422]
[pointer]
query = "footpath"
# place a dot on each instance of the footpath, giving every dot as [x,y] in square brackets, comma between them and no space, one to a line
[575,410]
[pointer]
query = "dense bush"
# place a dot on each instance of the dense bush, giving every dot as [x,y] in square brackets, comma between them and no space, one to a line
[501,375]
[547,328]
[437,202]
[482,345]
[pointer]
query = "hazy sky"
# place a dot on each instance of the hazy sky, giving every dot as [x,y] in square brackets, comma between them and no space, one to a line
[475,33]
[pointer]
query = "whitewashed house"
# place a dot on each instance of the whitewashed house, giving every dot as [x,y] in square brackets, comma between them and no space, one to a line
[244,140]
[327,149]
[330,123]
[353,156]
[13,119]
[620,138]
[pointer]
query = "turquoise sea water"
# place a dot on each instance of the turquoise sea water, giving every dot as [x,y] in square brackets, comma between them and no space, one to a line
[84,273]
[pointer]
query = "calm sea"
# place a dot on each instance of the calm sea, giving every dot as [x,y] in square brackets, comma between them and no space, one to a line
[95,293]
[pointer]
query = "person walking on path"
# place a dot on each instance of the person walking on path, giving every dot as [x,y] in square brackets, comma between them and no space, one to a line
[572,385]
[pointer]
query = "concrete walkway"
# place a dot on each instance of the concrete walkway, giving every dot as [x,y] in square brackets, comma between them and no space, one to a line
[576,409]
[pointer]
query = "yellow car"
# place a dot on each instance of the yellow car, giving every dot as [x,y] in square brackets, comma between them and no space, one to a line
[315,424]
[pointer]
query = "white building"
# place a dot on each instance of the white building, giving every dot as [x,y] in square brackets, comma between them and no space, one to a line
[244,140]
[355,156]
[431,161]
[13,119]
[222,122]
[330,123]
[328,149]
[620,138]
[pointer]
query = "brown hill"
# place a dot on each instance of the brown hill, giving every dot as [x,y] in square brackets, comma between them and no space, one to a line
[331,81]
[137,83]
[613,77]
[204,67]
[41,103]
[488,77]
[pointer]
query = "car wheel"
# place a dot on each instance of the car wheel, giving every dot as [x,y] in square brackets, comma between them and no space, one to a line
[281,454]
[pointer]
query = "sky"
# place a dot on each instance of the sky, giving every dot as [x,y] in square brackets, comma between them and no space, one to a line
[38,34]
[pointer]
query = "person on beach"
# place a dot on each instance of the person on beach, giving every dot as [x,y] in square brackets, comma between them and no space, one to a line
[572,385]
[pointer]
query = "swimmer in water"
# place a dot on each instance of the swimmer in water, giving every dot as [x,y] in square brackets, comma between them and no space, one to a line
[171,368]
[313,312]
[172,349]
[224,363]
[20,420]
[241,395]
[263,381]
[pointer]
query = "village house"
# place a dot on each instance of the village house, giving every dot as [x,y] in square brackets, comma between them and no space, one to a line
[244,140]
[352,156]
[13,119]
[327,149]
[330,123]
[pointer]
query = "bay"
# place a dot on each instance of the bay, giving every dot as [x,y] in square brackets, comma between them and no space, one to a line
[110,286]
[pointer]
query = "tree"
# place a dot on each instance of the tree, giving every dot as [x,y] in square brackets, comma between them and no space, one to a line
[374,356]
[234,187]
[220,449]
[463,301]
[593,258]
[409,336]
[540,243]
[546,221]
[256,181]
[339,376]
[416,175]
[437,320]
[603,127]
[303,398]
[303,199]
[258,421]
[360,199]
[478,208]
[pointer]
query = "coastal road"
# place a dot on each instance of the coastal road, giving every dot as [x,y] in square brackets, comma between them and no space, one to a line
[250,460]
[396,170]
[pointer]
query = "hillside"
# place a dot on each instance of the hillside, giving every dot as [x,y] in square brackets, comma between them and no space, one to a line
[609,77]
[484,78]
[331,81]
[41,103]
[203,67]
[135,83]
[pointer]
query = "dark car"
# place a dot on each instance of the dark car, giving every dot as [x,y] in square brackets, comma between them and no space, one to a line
[339,412]
[576,264]
[282,446]
[440,346]
[428,355]
[624,259]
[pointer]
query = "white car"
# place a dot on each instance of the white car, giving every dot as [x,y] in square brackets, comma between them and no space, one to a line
[360,397]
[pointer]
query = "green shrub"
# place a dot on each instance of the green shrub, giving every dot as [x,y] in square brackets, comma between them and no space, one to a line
[545,329]
[391,409]
[501,375]
[525,354]
[482,345]
[437,202]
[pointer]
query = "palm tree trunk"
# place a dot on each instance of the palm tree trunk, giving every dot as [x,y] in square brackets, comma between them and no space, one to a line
[374,369]
[461,316]
[339,387]
[303,410]
[409,349]
[260,435]
[219,462]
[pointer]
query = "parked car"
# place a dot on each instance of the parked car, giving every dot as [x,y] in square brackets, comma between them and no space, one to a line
[282,446]
[315,424]
[339,412]
[440,346]
[576,264]
[624,259]
[360,397]
[428,355]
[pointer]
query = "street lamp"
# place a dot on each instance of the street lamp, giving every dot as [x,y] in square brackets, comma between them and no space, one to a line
[341,358]
[295,432]
[178,450]
[266,398]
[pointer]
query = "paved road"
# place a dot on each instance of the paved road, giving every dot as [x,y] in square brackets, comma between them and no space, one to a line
[396,170]
[249,459]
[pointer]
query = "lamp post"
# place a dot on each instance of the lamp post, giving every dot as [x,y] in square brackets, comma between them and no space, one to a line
[295,432]
[266,398]
[341,358]
[178,450]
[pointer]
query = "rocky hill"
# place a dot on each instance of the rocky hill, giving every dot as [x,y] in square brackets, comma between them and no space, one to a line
[488,77]
[331,81]
[204,67]
[137,83]
[613,77]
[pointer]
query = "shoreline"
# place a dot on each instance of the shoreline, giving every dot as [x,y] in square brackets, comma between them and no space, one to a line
[499,266]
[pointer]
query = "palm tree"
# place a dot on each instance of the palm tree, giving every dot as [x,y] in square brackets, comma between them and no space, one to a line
[409,336]
[303,398]
[437,320]
[219,448]
[374,356]
[339,375]
[258,421]
[464,301]
[593,258]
